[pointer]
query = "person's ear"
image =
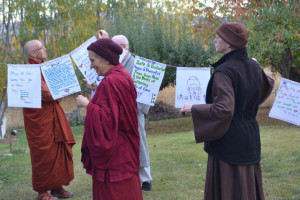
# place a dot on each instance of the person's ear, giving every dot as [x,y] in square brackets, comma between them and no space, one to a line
[125,46]
[229,47]
[32,54]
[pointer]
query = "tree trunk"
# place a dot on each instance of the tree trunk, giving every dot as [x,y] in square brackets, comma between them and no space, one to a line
[284,65]
[7,27]
[98,14]
[3,106]
[295,74]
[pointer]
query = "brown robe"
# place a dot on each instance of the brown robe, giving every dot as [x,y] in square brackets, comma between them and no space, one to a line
[225,181]
[50,140]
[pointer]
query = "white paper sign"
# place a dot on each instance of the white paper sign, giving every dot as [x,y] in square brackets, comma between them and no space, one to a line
[98,81]
[286,106]
[24,86]
[122,55]
[191,84]
[81,58]
[147,77]
[60,77]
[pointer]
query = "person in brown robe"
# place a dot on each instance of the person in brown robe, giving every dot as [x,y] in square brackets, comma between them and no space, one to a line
[227,124]
[49,137]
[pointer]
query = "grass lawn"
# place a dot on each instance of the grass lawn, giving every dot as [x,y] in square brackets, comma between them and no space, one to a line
[178,164]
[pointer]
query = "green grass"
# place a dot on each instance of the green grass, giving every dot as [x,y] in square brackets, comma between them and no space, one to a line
[178,164]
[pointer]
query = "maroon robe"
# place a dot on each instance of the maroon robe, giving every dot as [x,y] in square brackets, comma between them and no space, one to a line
[50,140]
[110,145]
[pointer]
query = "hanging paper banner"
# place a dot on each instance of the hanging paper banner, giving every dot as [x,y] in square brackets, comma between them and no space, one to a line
[60,77]
[191,84]
[147,77]
[24,86]
[286,106]
[81,58]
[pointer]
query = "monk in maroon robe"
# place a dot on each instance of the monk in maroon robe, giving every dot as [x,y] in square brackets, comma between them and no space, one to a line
[49,137]
[110,145]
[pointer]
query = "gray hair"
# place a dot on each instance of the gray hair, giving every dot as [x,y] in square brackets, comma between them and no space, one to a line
[121,39]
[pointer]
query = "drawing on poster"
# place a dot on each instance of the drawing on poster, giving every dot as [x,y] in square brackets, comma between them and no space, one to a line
[24,86]
[60,77]
[81,58]
[147,77]
[191,84]
[286,106]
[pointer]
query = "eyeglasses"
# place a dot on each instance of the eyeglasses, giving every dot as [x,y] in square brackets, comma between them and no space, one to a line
[122,44]
[42,47]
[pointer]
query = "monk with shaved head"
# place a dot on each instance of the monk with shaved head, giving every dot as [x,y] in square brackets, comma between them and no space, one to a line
[36,51]
[49,137]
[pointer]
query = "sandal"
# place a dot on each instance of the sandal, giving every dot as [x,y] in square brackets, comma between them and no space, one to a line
[61,193]
[46,196]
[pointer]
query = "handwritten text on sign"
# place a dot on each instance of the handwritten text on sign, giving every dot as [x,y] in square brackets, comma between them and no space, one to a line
[191,85]
[147,77]
[24,86]
[81,58]
[287,103]
[60,77]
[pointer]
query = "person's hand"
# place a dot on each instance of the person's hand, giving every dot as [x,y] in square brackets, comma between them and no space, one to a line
[82,101]
[90,86]
[102,34]
[186,108]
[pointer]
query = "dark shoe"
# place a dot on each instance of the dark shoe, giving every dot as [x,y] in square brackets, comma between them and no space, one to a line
[147,186]
[46,196]
[61,193]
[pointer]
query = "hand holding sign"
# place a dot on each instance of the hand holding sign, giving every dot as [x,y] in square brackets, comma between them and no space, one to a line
[102,34]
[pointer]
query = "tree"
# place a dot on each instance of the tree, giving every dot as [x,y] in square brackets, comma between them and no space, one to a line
[160,36]
[274,30]
[273,26]
[156,30]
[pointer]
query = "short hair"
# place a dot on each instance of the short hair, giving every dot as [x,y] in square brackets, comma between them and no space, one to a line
[121,39]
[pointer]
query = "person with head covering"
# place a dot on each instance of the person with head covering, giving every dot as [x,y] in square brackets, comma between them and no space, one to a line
[49,137]
[110,145]
[227,122]
[143,109]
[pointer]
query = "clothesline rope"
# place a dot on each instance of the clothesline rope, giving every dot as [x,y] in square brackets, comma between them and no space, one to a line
[133,54]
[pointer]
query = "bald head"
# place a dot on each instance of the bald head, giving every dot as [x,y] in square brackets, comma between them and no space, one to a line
[30,46]
[35,50]
[121,40]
